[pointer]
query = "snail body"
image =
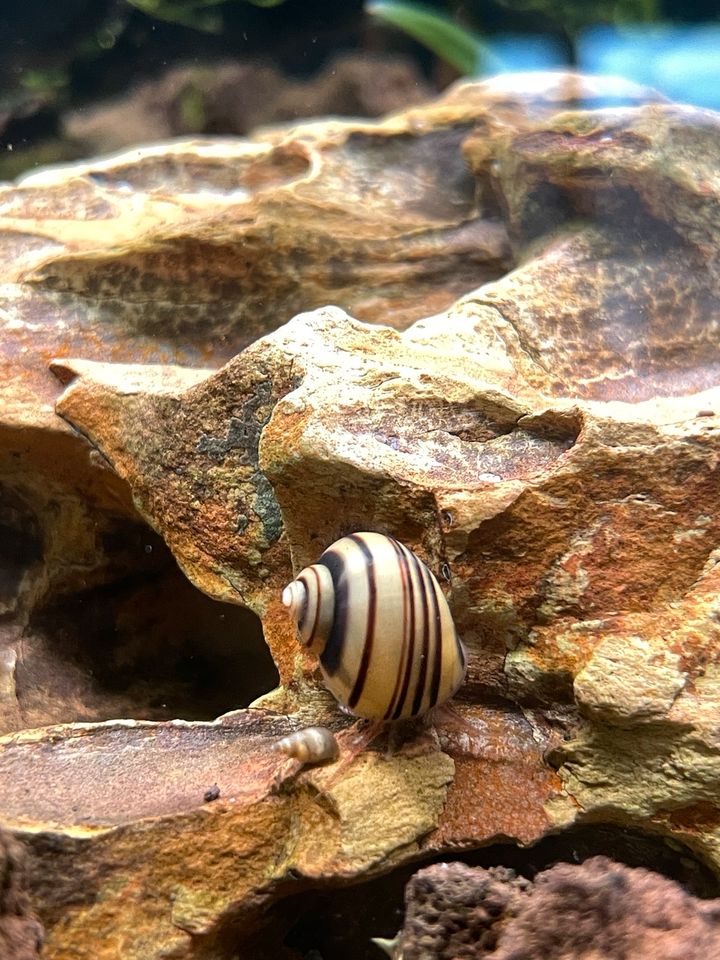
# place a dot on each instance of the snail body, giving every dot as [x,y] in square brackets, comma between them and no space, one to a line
[375,616]
[310,745]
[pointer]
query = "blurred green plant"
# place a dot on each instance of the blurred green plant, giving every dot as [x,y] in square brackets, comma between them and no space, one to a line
[47,81]
[465,49]
[460,47]
[197,14]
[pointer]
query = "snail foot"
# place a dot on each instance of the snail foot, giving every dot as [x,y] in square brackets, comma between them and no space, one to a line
[458,734]
[422,741]
[352,742]
[284,776]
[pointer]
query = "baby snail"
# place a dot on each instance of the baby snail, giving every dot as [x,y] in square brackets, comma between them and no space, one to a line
[311,745]
[375,616]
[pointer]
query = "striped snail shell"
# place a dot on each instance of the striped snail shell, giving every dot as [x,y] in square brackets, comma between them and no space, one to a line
[310,745]
[375,616]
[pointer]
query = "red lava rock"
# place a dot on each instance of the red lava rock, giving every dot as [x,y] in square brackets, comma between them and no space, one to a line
[598,909]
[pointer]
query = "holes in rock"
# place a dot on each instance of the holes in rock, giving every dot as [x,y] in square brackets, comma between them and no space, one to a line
[339,923]
[147,648]
[21,545]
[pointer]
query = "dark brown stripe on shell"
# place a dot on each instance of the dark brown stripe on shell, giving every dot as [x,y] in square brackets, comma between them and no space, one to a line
[420,683]
[405,666]
[332,654]
[370,625]
[412,637]
[439,640]
[308,593]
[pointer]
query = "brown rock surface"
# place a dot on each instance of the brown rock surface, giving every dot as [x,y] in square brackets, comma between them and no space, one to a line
[549,444]
[182,254]
[569,912]
[21,935]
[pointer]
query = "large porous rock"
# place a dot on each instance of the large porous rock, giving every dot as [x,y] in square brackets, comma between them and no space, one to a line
[548,442]
[596,909]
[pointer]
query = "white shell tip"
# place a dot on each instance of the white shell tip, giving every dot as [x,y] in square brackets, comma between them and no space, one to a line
[388,946]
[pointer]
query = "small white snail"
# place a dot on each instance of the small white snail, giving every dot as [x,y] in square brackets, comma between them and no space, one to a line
[376,617]
[310,745]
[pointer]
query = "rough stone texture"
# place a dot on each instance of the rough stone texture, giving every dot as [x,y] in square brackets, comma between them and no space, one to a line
[549,443]
[599,909]
[149,867]
[21,934]
[182,254]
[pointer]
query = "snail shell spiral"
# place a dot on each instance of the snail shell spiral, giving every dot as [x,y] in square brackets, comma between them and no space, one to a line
[375,616]
[310,745]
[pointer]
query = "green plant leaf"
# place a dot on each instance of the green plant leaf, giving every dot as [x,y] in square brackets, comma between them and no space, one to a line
[459,47]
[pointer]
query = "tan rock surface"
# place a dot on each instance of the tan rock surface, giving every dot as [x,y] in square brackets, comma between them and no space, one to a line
[549,445]
[183,254]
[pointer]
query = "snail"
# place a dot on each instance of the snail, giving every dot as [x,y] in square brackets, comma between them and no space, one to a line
[375,616]
[310,745]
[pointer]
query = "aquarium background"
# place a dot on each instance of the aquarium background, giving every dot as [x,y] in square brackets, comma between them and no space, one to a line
[81,77]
